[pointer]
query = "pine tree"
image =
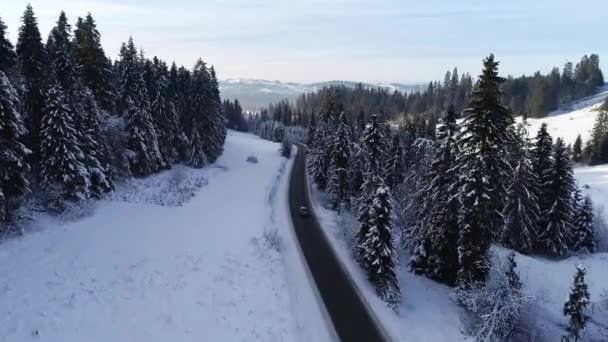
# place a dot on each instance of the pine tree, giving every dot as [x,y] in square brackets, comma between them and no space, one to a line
[59,48]
[13,153]
[375,247]
[337,185]
[577,150]
[372,176]
[599,139]
[197,158]
[522,211]
[94,67]
[485,172]
[395,174]
[61,159]
[134,105]
[8,57]
[317,163]
[310,133]
[286,148]
[437,253]
[541,156]
[583,235]
[576,305]
[32,60]
[558,217]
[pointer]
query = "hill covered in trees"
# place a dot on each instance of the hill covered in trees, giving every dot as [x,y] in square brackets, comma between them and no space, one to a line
[532,96]
[74,123]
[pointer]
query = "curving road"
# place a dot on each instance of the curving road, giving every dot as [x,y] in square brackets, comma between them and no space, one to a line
[351,319]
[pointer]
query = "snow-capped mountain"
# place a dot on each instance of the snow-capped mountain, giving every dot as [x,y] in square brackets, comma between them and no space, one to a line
[256,93]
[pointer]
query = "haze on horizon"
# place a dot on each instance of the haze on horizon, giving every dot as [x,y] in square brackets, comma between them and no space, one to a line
[357,40]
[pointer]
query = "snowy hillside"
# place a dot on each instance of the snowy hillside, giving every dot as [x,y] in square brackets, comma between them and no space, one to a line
[139,271]
[572,120]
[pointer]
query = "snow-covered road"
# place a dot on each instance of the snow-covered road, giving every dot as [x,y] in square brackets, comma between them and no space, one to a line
[144,272]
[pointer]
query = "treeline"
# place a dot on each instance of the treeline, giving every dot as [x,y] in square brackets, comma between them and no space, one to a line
[73,122]
[481,181]
[532,96]
[235,118]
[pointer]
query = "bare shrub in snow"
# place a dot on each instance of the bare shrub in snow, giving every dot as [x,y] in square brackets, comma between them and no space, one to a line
[76,210]
[272,238]
[495,312]
[252,159]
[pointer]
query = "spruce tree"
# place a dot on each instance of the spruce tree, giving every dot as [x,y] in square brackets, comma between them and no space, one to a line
[375,247]
[395,173]
[310,133]
[337,185]
[577,150]
[599,139]
[63,172]
[576,305]
[372,175]
[134,104]
[558,216]
[522,211]
[485,173]
[541,156]
[437,255]
[583,235]
[8,57]
[93,65]
[13,153]
[59,48]
[32,61]
[317,163]
[197,158]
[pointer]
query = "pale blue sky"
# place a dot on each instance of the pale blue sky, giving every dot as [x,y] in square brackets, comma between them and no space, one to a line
[361,40]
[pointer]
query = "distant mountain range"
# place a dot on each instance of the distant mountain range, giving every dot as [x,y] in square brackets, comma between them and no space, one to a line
[255,93]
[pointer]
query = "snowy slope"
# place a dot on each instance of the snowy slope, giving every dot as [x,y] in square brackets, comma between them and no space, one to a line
[572,120]
[138,271]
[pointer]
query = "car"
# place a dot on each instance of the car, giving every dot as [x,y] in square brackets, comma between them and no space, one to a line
[304,211]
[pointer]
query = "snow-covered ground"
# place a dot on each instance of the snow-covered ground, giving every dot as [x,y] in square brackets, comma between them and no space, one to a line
[205,265]
[571,120]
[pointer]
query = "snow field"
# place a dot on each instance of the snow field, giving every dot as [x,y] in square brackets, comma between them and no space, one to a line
[144,272]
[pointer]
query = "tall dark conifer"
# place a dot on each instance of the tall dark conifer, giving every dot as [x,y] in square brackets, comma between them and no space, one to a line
[522,212]
[558,216]
[437,253]
[8,57]
[575,307]
[338,185]
[13,165]
[485,172]
[32,61]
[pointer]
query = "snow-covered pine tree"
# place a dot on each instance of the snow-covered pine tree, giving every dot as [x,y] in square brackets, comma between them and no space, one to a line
[97,154]
[93,66]
[286,148]
[205,106]
[558,218]
[8,57]
[312,127]
[197,158]
[32,60]
[81,104]
[62,170]
[317,163]
[13,153]
[599,139]
[541,155]
[437,255]
[576,305]
[577,150]
[395,174]
[171,140]
[485,173]
[219,120]
[375,247]
[338,183]
[372,176]
[522,212]
[583,235]
[134,105]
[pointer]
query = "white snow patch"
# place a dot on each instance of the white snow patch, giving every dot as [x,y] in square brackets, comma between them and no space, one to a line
[144,272]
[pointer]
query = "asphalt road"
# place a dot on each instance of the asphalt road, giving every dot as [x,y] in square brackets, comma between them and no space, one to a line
[351,319]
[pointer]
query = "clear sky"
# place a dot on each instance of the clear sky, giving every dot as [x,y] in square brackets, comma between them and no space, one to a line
[360,40]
